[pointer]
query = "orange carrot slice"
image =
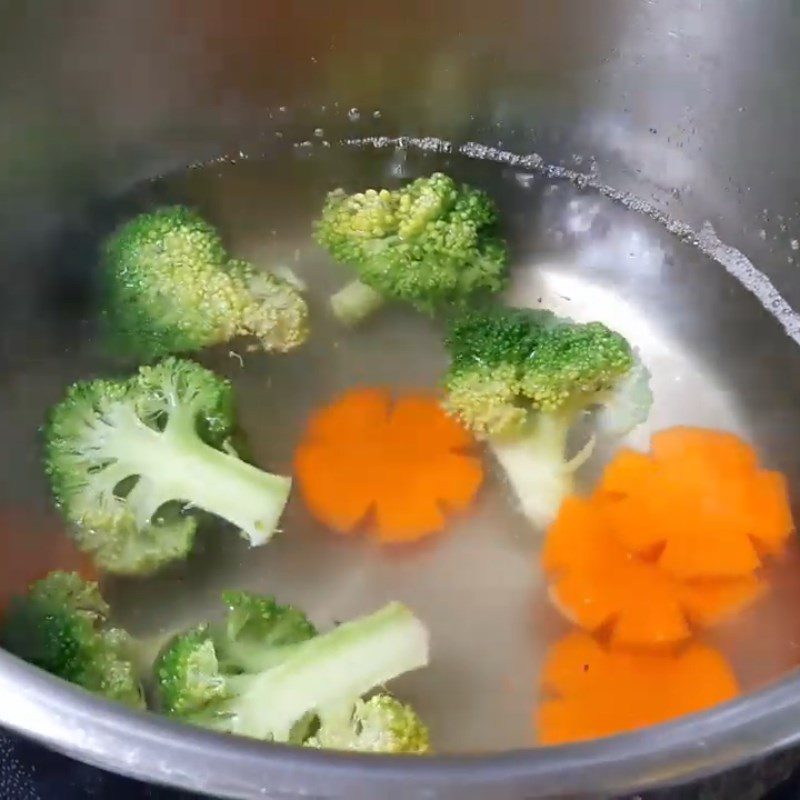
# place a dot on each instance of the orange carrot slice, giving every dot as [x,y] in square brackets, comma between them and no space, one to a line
[628,469]
[598,584]
[592,692]
[699,502]
[718,448]
[707,603]
[405,464]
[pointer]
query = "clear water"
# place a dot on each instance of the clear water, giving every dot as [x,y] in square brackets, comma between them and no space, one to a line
[477,585]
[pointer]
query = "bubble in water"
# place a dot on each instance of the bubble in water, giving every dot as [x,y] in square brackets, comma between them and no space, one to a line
[319,133]
[397,166]
[755,281]
[794,244]
[376,114]
[429,144]
[354,115]
[525,179]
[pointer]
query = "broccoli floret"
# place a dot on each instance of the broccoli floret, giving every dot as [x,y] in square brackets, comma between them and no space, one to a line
[430,243]
[381,724]
[60,626]
[268,675]
[522,378]
[256,631]
[129,459]
[170,287]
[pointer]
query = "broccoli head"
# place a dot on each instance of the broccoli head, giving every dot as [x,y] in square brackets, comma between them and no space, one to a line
[429,243]
[266,673]
[521,378]
[257,629]
[170,287]
[381,724]
[60,625]
[130,459]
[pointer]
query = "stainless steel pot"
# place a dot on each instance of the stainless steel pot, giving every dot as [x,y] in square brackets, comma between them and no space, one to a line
[690,106]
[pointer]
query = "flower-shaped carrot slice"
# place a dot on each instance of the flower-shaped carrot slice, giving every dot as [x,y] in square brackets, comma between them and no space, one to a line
[723,449]
[593,692]
[405,464]
[597,583]
[699,503]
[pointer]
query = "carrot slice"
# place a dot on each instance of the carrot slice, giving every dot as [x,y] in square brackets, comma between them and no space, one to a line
[598,584]
[708,602]
[404,464]
[641,520]
[683,443]
[627,469]
[341,503]
[700,504]
[414,414]
[706,547]
[718,448]
[593,692]
[355,414]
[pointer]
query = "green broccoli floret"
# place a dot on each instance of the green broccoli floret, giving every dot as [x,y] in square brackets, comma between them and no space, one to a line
[170,287]
[522,378]
[60,626]
[256,631]
[129,459]
[266,673]
[430,243]
[381,724]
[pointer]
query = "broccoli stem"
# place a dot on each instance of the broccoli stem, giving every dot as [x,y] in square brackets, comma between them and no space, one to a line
[177,465]
[323,672]
[536,466]
[354,302]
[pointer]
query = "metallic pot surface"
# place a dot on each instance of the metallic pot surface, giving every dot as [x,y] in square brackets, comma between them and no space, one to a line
[680,113]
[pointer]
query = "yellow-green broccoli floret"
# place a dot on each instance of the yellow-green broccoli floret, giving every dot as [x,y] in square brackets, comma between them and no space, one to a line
[60,625]
[381,724]
[429,243]
[129,460]
[171,287]
[521,378]
[266,673]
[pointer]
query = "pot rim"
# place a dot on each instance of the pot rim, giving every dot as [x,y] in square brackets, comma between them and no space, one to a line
[155,749]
